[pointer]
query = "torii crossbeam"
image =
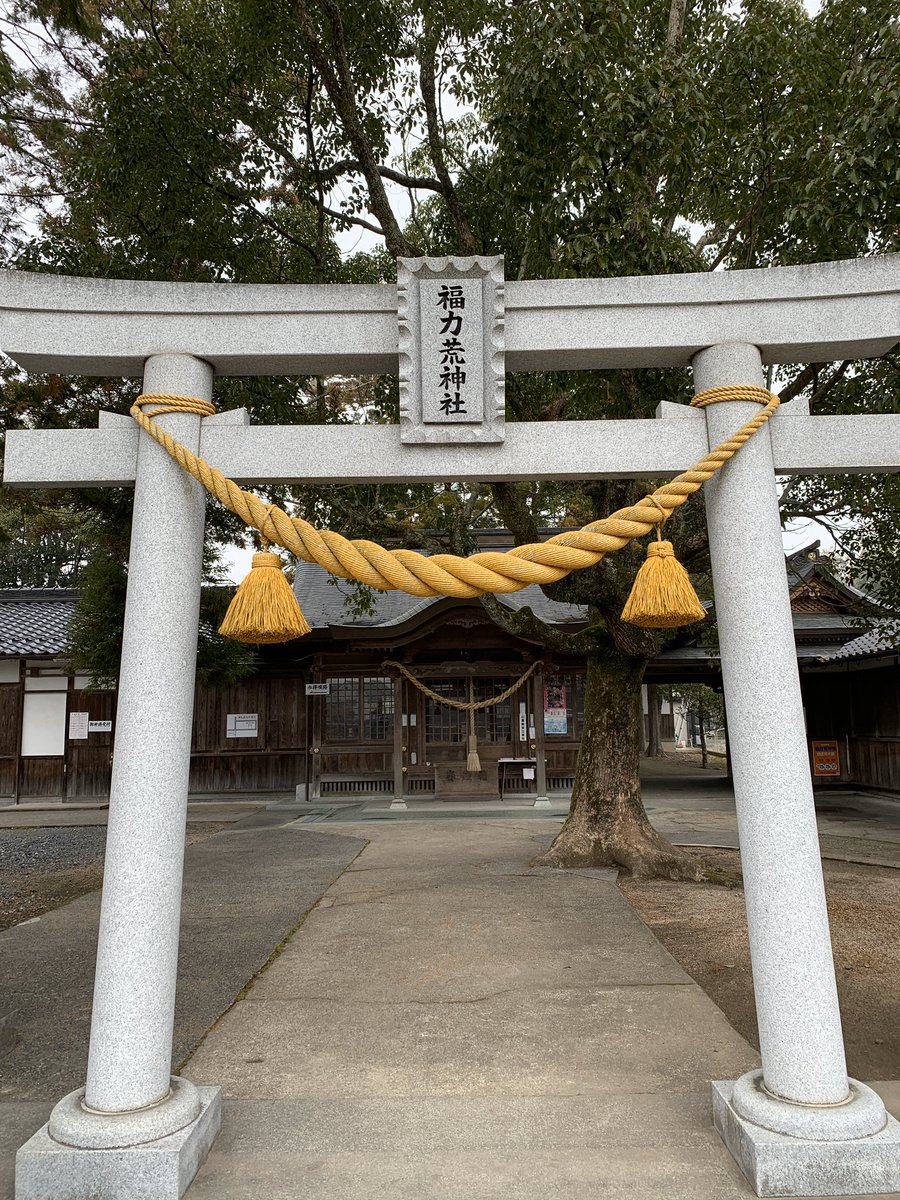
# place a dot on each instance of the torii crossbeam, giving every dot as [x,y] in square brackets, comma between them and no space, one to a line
[797,1127]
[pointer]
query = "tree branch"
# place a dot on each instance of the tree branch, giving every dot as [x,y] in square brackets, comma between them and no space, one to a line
[837,375]
[675,31]
[345,165]
[515,512]
[799,384]
[525,624]
[427,72]
[334,70]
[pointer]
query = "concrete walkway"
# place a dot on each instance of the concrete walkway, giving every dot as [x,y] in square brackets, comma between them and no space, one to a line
[244,891]
[691,806]
[451,1023]
[448,1022]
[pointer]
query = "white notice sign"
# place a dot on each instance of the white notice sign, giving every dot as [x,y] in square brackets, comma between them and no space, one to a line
[242,725]
[78,726]
[100,726]
[319,689]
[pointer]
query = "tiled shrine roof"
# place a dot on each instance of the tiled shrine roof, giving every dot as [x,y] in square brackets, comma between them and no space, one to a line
[882,640]
[34,621]
[327,603]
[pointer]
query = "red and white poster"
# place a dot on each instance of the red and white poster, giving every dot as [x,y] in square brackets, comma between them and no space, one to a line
[826,758]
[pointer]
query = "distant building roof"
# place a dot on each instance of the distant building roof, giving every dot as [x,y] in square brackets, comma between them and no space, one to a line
[327,603]
[35,621]
[884,639]
[815,588]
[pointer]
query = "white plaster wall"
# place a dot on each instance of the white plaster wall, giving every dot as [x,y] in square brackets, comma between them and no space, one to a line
[45,683]
[9,670]
[44,724]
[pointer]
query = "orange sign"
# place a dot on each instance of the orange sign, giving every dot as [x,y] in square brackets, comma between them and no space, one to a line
[826,758]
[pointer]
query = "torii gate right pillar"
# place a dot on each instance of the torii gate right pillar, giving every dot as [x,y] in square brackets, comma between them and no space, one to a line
[798,1126]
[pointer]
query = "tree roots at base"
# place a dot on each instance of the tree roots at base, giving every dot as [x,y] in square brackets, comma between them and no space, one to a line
[634,847]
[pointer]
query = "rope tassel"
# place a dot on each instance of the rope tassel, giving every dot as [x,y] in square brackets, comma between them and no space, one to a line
[264,608]
[662,596]
[447,574]
[473,762]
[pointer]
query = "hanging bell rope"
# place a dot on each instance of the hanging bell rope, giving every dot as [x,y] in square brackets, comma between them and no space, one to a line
[473,762]
[448,574]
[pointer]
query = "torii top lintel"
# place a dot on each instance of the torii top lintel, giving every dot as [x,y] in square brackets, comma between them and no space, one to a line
[814,313]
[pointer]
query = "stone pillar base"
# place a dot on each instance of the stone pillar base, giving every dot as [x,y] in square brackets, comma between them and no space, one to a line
[777,1164]
[542,802]
[159,1170]
[398,805]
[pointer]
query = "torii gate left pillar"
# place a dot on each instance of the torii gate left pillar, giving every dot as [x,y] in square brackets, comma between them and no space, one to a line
[91,1145]
[136,1134]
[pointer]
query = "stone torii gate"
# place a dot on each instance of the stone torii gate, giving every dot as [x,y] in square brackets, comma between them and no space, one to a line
[797,1127]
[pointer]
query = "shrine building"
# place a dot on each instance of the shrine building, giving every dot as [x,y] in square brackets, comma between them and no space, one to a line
[326,716]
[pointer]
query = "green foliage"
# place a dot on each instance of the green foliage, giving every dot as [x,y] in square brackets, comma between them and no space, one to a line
[703,700]
[42,545]
[95,632]
[359,600]
[231,141]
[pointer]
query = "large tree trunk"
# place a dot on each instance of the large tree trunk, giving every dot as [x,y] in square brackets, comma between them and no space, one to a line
[654,741]
[607,825]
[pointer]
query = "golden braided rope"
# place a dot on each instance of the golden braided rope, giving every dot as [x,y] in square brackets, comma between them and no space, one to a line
[465,705]
[448,574]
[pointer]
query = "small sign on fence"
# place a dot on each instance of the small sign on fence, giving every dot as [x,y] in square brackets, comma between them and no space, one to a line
[826,758]
[78,726]
[242,725]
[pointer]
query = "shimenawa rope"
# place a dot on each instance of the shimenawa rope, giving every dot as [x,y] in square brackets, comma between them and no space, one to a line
[440,574]
[470,706]
[465,705]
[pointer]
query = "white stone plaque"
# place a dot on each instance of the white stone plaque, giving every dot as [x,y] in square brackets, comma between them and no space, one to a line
[452,371]
[99,726]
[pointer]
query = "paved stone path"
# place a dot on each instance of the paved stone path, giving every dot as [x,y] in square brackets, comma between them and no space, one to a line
[448,1022]
[451,1023]
[244,892]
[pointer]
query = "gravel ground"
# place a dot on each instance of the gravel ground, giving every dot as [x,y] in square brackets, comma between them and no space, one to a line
[51,849]
[705,928]
[43,868]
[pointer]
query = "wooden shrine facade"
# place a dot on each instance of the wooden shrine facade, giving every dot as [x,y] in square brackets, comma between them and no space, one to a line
[323,714]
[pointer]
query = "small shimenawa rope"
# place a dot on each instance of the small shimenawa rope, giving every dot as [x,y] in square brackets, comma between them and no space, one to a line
[465,705]
[448,574]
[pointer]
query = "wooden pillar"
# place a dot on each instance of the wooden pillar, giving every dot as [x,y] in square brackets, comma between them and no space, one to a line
[542,799]
[401,732]
[314,739]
